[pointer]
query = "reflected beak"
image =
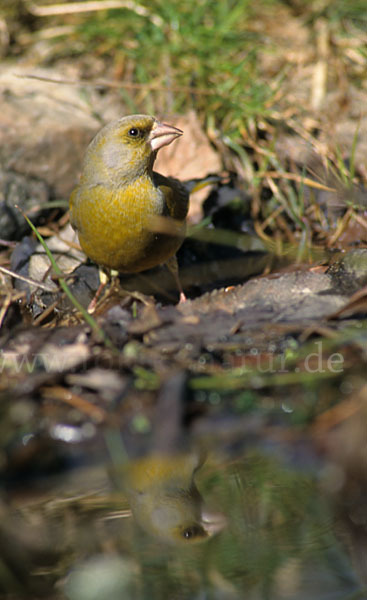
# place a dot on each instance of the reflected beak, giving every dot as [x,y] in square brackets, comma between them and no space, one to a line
[213,523]
[162,135]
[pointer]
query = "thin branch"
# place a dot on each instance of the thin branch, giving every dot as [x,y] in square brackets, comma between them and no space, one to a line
[29,280]
[120,84]
[80,7]
[300,179]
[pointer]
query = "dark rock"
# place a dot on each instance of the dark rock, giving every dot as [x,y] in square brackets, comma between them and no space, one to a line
[84,283]
[19,261]
[26,192]
[349,271]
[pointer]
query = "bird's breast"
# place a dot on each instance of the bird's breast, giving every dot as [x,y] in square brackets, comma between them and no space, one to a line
[116,225]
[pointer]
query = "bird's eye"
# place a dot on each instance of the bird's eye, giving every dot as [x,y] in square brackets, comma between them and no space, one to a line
[191,532]
[134,132]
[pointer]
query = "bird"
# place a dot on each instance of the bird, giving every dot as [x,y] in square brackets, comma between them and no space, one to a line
[128,217]
[165,500]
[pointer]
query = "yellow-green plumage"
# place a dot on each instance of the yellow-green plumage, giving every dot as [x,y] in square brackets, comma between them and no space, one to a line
[116,204]
[164,498]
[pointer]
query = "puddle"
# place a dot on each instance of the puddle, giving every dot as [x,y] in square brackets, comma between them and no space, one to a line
[252,524]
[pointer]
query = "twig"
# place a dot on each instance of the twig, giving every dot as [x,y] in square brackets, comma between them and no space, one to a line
[7,243]
[299,179]
[320,73]
[80,7]
[43,286]
[341,227]
[7,302]
[45,313]
[121,84]
[96,413]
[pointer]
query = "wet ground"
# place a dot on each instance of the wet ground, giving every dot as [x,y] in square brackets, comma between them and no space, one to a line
[258,518]
[212,449]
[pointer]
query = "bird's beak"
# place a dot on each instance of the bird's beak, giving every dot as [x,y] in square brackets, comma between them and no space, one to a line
[213,522]
[162,135]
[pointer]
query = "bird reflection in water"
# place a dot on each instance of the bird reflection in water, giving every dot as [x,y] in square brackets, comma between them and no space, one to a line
[165,501]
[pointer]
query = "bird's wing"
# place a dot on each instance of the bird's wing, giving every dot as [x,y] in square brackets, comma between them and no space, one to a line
[175,194]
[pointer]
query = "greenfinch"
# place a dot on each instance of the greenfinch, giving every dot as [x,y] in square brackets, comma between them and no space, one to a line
[164,499]
[120,203]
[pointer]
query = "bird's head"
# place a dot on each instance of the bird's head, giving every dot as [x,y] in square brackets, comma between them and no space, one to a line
[126,148]
[165,501]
